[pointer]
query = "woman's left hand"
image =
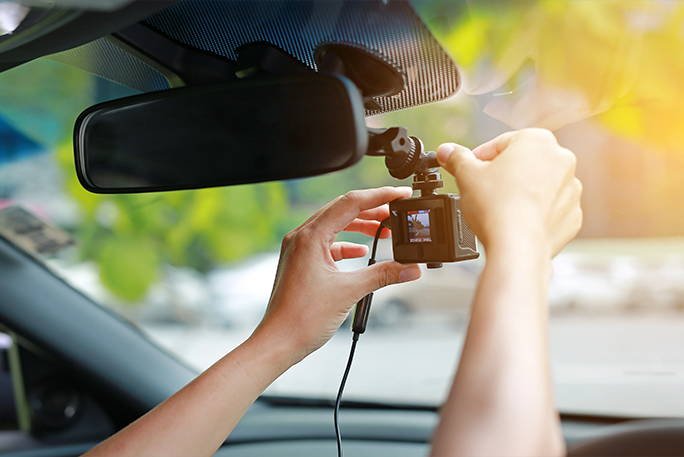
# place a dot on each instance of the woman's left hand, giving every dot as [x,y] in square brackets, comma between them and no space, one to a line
[311,297]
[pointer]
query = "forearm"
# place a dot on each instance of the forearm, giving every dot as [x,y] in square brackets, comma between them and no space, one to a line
[501,402]
[199,417]
[310,300]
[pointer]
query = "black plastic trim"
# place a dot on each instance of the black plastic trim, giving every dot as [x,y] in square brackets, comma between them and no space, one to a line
[180,64]
[83,29]
[107,350]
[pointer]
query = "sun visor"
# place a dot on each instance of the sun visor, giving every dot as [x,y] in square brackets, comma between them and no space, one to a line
[21,24]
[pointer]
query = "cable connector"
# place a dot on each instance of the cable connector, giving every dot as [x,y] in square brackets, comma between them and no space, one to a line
[359,322]
[361,313]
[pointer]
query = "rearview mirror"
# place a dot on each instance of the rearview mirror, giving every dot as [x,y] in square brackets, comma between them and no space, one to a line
[231,133]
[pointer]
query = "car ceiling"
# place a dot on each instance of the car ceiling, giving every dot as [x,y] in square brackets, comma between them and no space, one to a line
[50,30]
[216,30]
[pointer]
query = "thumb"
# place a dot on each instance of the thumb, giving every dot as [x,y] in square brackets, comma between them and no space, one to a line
[370,279]
[452,156]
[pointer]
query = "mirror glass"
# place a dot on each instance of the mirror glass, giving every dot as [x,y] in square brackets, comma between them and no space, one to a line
[231,133]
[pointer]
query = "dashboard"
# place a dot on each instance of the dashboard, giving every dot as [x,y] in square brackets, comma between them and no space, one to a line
[284,431]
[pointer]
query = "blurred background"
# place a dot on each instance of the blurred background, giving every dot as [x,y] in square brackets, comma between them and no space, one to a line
[195,268]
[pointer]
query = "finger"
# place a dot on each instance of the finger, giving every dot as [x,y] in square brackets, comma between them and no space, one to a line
[369,228]
[375,214]
[386,233]
[382,274]
[378,214]
[491,149]
[566,218]
[344,210]
[315,215]
[451,156]
[345,250]
[563,234]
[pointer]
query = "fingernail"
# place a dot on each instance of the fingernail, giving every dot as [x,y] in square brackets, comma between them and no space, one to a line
[443,152]
[409,273]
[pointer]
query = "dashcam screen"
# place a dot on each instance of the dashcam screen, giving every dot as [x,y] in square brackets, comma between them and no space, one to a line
[419,226]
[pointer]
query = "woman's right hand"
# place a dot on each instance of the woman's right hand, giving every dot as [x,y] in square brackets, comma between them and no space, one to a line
[519,184]
[520,196]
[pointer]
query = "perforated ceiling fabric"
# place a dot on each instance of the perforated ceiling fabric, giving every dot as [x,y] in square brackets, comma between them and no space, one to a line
[389,27]
[105,60]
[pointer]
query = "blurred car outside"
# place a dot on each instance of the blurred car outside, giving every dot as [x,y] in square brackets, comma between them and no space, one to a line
[180,297]
[236,295]
[580,282]
[611,277]
[241,292]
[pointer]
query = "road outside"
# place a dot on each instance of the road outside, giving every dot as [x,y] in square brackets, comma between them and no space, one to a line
[616,329]
[616,364]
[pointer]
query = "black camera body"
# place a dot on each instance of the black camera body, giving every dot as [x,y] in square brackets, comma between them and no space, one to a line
[430,229]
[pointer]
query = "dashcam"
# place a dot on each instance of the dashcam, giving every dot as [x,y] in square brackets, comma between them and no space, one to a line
[431,229]
[428,229]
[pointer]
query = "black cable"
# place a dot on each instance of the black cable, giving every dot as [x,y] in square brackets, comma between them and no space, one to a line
[383,224]
[338,437]
[364,302]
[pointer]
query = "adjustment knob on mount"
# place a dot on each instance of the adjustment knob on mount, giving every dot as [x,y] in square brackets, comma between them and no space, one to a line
[401,166]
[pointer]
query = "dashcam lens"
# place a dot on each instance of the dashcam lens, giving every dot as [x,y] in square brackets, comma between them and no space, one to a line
[419,226]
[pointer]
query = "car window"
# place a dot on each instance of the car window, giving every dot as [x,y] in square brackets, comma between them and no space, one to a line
[194,269]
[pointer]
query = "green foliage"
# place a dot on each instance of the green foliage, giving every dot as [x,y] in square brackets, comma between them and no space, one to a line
[128,265]
[43,99]
[616,60]
[608,59]
[132,236]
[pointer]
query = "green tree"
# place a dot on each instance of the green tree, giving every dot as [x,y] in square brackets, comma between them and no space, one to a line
[549,63]
[131,236]
[43,99]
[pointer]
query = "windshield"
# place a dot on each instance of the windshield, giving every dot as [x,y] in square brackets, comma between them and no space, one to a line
[194,269]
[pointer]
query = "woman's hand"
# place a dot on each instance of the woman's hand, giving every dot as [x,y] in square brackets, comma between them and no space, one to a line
[520,196]
[519,184]
[311,298]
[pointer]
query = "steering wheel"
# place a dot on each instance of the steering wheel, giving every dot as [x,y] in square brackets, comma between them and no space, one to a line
[643,438]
